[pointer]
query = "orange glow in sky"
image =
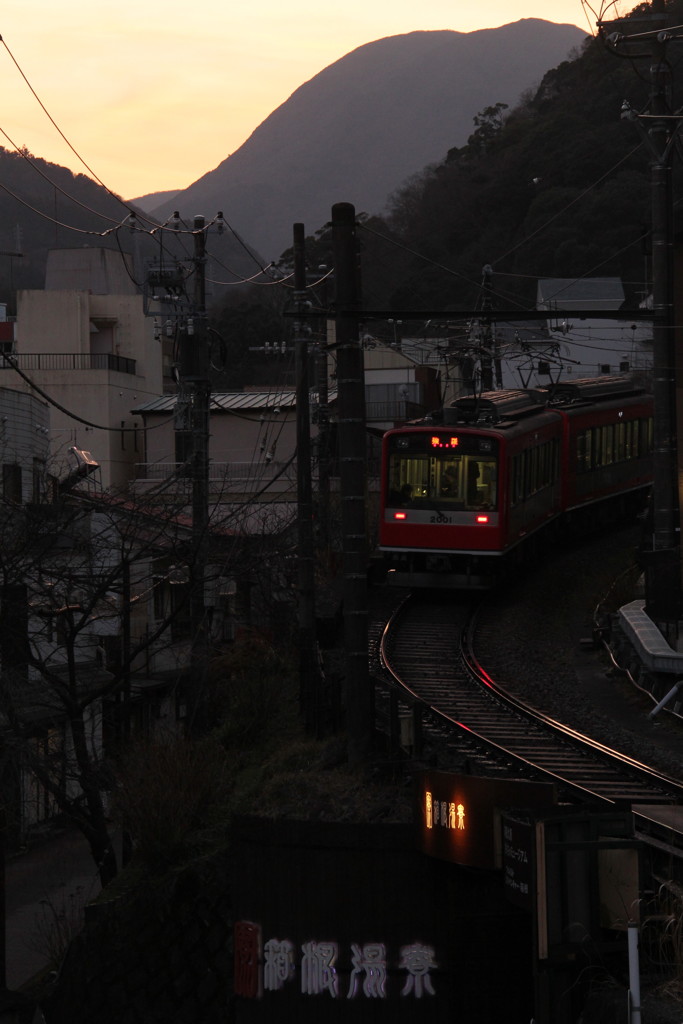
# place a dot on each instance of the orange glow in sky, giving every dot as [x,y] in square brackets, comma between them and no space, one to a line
[154,94]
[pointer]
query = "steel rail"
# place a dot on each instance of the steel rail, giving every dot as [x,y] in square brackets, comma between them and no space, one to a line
[582,766]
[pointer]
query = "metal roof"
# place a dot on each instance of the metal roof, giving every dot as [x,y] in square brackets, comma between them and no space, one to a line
[226,401]
[231,401]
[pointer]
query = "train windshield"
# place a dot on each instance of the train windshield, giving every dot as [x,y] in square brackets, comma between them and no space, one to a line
[447,478]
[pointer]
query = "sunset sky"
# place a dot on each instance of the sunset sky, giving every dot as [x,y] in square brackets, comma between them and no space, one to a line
[152,94]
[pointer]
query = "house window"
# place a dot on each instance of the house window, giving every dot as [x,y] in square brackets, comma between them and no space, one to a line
[171,600]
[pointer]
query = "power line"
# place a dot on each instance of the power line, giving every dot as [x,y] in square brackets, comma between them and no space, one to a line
[570,204]
[11,361]
[28,157]
[56,126]
[52,220]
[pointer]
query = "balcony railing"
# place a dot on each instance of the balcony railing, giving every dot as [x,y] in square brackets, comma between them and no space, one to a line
[69,361]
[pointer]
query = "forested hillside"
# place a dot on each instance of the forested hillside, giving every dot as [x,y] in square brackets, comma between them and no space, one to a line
[557,187]
[45,206]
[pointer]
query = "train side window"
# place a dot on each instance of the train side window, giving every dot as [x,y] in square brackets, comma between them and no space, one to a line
[590,440]
[544,465]
[608,444]
[517,478]
[581,452]
[513,482]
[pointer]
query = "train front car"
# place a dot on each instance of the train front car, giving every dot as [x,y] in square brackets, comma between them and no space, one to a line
[460,496]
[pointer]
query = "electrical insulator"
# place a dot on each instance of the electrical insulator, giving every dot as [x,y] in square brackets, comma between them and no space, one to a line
[168,327]
[220,223]
[190,326]
[157,330]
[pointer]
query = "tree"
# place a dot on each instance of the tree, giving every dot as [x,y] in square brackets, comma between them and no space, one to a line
[242,325]
[488,124]
[80,608]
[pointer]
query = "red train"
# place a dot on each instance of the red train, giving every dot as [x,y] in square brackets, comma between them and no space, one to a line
[470,492]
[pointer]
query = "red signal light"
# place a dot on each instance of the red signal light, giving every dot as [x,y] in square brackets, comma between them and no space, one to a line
[400,515]
[482,519]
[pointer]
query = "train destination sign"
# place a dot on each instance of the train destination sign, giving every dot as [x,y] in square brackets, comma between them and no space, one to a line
[458,816]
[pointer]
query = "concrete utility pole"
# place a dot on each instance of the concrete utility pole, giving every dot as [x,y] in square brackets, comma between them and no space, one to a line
[359,695]
[659,128]
[308,674]
[321,375]
[195,371]
[486,332]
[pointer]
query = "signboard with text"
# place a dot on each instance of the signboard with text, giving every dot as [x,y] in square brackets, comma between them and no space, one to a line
[459,815]
[519,857]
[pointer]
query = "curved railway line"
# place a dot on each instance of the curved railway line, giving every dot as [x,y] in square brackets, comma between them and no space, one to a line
[426,657]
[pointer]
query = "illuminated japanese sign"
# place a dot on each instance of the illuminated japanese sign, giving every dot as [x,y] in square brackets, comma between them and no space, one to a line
[444,442]
[269,967]
[458,815]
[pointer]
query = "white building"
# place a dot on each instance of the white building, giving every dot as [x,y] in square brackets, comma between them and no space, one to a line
[87,346]
[578,347]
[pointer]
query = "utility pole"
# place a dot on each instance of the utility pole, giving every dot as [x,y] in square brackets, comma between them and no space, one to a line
[309,688]
[359,695]
[659,128]
[195,371]
[486,340]
[321,374]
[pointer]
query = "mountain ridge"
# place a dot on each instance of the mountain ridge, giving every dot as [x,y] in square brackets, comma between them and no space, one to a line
[364,124]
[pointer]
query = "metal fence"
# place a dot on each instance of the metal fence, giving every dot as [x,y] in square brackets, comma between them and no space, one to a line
[69,361]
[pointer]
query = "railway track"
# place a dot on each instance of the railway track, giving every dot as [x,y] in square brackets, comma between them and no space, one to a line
[425,650]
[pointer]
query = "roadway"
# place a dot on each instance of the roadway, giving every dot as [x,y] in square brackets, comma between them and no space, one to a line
[46,887]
